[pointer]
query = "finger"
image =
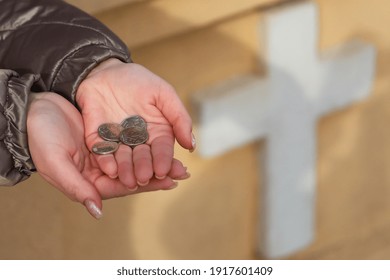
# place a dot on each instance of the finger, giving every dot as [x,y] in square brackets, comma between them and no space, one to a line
[174,111]
[155,185]
[107,165]
[162,153]
[124,159]
[143,165]
[178,171]
[110,188]
[70,181]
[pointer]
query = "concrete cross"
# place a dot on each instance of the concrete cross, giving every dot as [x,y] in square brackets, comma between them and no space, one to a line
[284,108]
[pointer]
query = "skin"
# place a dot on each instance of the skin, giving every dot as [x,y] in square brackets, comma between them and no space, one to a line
[114,91]
[57,145]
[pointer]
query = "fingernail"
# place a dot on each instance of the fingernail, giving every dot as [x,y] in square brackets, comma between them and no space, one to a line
[193,141]
[143,184]
[133,189]
[185,176]
[160,177]
[113,177]
[93,209]
[175,184]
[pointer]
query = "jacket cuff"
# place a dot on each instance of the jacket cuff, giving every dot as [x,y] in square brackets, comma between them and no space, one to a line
[57,41]
[16,162]
[74,67]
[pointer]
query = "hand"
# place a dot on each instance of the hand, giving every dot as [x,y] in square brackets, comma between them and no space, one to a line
[56,142]
[114,91]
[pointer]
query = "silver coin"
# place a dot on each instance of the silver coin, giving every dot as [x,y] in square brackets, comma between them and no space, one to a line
[134,136]
[105,147]
[110,131]
[134,121]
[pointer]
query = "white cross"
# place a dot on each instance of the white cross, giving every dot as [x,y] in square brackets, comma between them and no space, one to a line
[284,108]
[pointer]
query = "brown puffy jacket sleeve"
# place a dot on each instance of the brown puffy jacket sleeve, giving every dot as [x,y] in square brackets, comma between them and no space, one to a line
[46,45]
[15,160]
[55,40]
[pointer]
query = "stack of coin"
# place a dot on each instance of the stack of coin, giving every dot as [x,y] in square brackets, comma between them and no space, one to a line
[132,132]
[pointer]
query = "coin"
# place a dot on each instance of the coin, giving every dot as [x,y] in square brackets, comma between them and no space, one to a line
[105,147]
[134,121]
[134,136]
[110,131]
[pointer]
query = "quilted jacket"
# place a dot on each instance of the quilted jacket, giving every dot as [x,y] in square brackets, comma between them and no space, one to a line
[45,45]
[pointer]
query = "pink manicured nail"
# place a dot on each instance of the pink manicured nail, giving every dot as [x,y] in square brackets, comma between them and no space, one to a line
[193,141]
[143,184]
[160,177]
[185,176]
[93,209]
[133,189]
[175,184]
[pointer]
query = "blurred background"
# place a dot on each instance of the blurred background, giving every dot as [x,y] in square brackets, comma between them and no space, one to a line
[194,44]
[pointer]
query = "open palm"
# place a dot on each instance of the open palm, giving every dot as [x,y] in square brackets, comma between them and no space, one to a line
[115,91]
[57,146]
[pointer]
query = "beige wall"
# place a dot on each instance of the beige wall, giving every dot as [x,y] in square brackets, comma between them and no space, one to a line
[354,146]
[213,214]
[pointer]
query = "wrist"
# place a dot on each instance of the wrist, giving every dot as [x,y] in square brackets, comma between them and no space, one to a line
[33,97]
[111,62]
[95,75]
